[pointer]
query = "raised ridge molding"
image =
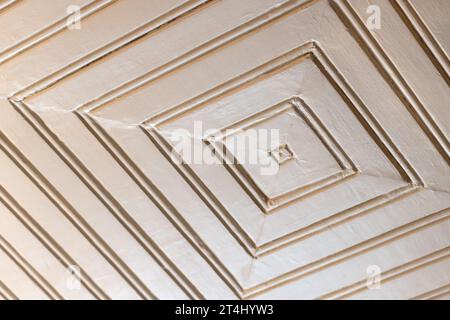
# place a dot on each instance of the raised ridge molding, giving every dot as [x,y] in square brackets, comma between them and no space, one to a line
[6,293]
[426,37]
[401,85]
[90,180]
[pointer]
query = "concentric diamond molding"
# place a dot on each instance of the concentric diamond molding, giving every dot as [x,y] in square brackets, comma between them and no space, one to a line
[93,205]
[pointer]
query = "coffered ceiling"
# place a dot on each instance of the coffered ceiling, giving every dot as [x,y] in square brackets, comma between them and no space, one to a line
[94,206]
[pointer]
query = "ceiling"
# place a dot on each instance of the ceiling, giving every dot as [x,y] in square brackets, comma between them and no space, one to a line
[94,205]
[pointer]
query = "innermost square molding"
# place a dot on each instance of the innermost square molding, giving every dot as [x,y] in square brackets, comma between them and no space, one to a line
[282,153]
[316,159]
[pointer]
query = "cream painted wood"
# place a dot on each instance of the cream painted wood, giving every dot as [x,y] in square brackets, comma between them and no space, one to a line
[87,179]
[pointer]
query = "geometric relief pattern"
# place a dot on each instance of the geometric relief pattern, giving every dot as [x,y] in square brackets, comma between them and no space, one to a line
[90,189]
[427,33]
[348,175]
[330,166]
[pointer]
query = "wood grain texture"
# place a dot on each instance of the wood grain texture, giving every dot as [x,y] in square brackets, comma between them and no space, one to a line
[93,205]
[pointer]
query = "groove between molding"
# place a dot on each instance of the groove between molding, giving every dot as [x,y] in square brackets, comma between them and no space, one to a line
[261,21]
[117,44]
[154,195]
[6,293]
[423,36]
[6,4]
[434,294]
[391,274]
[48,242]
[116,209]
[28,269]
[353,251]
[41,35]
[75,218]
[160,201]
[394,78]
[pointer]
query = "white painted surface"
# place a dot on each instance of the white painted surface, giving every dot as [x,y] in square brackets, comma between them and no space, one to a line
[86,177]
